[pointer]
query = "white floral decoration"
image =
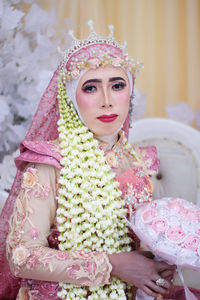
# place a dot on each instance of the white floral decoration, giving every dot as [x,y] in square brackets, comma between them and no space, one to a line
[180,112]
[91,214]
[28,45]
[139,105]
[7,174]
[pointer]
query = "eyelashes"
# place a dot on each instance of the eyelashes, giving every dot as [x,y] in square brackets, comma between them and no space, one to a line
[118,86]
[91,88]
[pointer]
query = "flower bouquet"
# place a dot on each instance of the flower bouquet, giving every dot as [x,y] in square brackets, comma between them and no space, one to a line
[170,227]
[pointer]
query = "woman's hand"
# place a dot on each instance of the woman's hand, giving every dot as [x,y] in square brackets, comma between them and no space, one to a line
[139,269]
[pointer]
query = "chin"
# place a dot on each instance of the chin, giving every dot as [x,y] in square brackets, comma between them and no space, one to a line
[107,131]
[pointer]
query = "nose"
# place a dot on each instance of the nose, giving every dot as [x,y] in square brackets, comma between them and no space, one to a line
[106,99]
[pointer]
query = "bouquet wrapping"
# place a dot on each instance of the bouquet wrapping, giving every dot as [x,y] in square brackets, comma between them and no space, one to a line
[170,228]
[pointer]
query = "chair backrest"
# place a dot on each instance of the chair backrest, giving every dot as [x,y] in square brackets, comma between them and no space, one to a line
[178,148]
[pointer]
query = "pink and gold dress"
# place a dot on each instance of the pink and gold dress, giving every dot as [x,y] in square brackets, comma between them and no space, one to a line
[32,242]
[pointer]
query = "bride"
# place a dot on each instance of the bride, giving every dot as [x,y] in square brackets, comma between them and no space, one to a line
[77,178]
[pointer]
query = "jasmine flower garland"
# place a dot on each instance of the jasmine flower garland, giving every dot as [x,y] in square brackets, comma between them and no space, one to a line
[91,214]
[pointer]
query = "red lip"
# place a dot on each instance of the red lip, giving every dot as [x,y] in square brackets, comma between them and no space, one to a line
[108,118]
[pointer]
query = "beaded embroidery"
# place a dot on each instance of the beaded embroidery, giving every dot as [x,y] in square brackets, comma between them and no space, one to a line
[94,52]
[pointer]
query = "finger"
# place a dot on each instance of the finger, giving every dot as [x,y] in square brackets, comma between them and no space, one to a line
[147,254]
[162,266]
[158,289]
[167,284]
[166,273]
[150,292]
[169,278]
[159,297]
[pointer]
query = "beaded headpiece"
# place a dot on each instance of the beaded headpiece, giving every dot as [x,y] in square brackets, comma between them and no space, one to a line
[94,52]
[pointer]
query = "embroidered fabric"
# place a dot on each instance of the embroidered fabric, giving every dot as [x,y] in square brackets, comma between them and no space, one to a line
[43,128]
[27,250]
[27,245]
[33,196]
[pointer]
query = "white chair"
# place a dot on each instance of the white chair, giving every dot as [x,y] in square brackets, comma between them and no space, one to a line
[178,148]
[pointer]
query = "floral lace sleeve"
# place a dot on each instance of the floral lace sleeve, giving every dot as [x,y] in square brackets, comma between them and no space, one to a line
[28,251]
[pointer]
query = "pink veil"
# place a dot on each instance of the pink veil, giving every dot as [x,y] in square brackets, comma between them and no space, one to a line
[43,128]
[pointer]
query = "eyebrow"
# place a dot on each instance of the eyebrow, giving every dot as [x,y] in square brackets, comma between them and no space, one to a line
[99,80]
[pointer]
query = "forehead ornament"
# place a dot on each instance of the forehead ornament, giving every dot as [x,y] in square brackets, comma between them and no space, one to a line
[93,52]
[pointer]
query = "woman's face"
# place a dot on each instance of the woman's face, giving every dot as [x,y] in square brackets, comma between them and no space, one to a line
[102,97]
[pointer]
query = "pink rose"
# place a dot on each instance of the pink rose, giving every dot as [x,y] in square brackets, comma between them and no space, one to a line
[183,211]
[192,215]
[149,215]
[175,234]
[192,242]
[159,225]
[175,204]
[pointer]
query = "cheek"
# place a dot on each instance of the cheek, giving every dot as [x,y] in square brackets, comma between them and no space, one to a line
[83,101]
[124,98]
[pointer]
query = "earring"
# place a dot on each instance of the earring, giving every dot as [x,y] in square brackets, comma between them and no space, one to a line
[131,107]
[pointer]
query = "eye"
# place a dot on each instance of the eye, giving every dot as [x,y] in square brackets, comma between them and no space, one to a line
[89,88]
[118,86]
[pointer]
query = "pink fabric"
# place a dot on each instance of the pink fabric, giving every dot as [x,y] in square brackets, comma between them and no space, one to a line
[88,53]
[9,284]
[38,152]
[178,293]
[151,153]
[44,124]
[43,128]
[42,290]
[131,177]
[48,290]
